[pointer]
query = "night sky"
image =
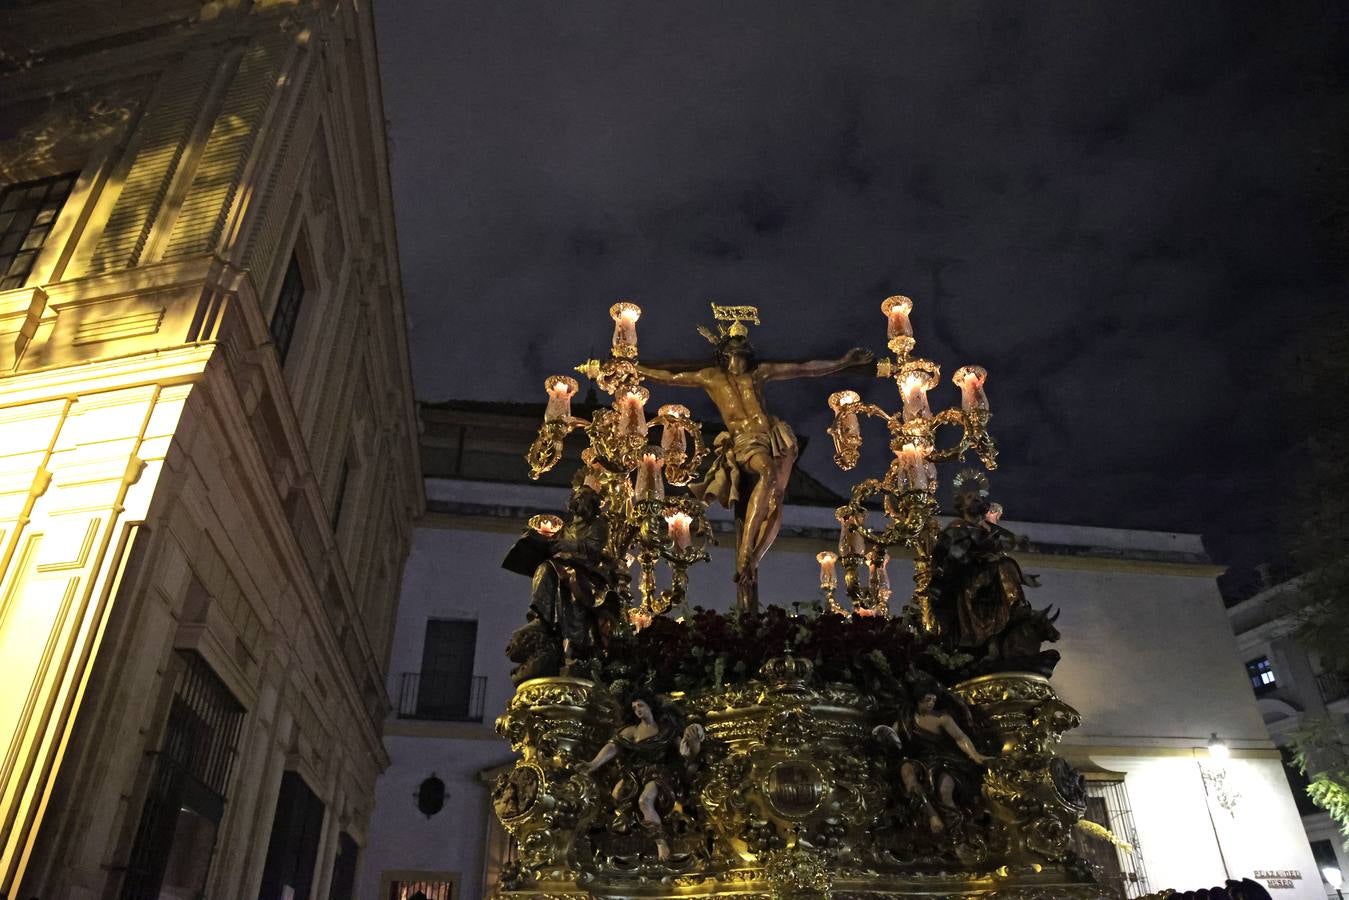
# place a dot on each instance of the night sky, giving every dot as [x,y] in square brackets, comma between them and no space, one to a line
[1132,214]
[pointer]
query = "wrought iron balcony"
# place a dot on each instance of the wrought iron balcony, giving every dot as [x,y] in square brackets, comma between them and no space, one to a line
[441,696]
[1333,686]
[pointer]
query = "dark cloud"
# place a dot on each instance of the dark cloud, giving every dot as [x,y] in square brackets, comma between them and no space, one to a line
[1125,212]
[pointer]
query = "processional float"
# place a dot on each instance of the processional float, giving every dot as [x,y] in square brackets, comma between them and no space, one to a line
[667,750]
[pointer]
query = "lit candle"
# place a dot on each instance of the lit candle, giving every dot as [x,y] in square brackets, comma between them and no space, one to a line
[650,482]
[673,440]
[897,311]
[914,387]
[625,316]
[679,529]
[970,380]
[639,618]
[545,524]
[632,411]
[560,391]
[828,577]
[915,467]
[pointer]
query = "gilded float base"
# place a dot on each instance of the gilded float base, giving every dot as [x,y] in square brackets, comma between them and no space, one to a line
[793,791]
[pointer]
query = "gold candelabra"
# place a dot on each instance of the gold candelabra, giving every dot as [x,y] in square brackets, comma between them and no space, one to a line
[629,473]
[907,491]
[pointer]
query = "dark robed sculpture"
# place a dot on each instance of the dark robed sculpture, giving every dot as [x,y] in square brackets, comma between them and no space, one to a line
[979,593]
[574,604]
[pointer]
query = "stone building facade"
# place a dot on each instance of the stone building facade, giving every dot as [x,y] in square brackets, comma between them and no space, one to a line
[1294,689]
[207,447]
[1147,659]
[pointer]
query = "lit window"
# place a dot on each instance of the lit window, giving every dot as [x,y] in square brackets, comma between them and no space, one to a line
[1261,674]
[27,213]
[287,311]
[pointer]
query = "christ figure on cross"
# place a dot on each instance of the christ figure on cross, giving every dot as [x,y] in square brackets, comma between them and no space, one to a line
[755,455]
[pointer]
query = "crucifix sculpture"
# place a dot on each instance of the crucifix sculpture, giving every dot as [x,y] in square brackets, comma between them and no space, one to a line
[755,455]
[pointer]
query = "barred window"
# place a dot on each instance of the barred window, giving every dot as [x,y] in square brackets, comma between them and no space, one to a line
[287,311]
[420,886]
[1119,869]
[27,212]
[175,838]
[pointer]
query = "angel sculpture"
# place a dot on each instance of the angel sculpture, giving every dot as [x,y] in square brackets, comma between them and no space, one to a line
[656,759]
[942,770]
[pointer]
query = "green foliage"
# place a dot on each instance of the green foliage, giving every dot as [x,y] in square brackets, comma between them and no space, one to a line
[1321,753]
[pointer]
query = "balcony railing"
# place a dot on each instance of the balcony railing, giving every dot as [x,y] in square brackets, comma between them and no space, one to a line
[1333,686]
[441,697]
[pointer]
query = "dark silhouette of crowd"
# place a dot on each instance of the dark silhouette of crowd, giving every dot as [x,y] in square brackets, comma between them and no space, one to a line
[1245,889]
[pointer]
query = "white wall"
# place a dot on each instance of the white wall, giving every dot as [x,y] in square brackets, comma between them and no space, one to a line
[1179,841]
[452,840]
[1149,656]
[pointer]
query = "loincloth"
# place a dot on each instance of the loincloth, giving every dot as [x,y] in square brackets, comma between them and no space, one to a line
[721,481]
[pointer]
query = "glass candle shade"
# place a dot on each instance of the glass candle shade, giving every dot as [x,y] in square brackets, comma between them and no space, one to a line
[851,542]
[844,405]
[970,380]
[929,477]
[679,523]
[650,481]
[915,379]
[897,311]
[561,389]
[625,316]
[545,524]
[828,576]
[914,465]
[674,439]
[876,572]
[632,411]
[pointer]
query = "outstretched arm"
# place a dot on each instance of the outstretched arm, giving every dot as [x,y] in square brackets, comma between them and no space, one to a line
[854,357]
[607,752]
[962,740]
[690,378]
